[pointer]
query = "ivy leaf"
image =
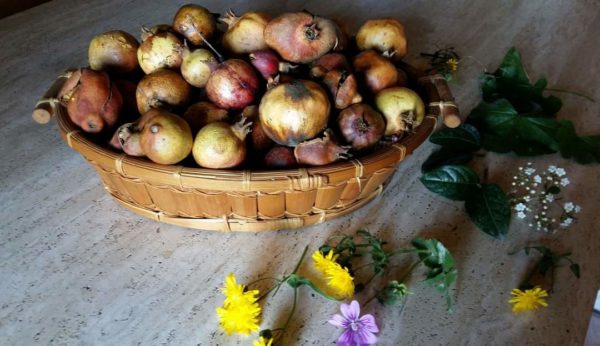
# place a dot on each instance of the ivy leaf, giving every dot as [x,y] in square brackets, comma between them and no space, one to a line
[575,269]
[489,210]
[497,117]
[444,157]
[378,255]
[582,149]
[511,81]
[455,182]
[464,138]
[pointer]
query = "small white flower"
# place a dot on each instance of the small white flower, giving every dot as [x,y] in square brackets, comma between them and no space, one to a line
[532,192]
[560,172]
[537,179]
[526,198]
[529,171]
[520,168]
[521,215]
[577,209]
[566,222]
[549,178]
[565,181]
[549,198]
[552,169]
[513,184]
[520,207]
[569,207]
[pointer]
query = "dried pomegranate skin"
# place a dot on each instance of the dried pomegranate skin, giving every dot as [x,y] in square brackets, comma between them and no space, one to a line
[280,157]
[361,126]
[300,37]
[320,151]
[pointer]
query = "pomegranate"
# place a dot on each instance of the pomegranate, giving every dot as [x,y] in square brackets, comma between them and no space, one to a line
[220,145]
[291,113]
[402,108]
[301,37]
[245,34]
[320,151]
[93,102]
[195,23]
[361,126]
[197,66]
[202,113]
[114,51]
[378,71]
[156,29]
[162,89]
[280,157]
[233,85]
[165,138]
[128,139]
[163,50]
[328,62]
[268,64]
[343,88]
[384,35]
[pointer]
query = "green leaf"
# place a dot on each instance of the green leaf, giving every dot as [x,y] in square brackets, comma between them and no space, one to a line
[460,139]
[538,130]
[583,149]
[489,210]
[378,255]
[497,117]
[443,157]
[511,81]
[453,181]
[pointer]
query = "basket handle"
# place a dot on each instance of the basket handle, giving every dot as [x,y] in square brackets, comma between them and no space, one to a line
[44,109]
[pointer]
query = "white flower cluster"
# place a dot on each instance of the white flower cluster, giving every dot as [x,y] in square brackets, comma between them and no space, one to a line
[536,195]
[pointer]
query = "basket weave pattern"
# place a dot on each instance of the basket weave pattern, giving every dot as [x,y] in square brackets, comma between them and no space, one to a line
[244,200]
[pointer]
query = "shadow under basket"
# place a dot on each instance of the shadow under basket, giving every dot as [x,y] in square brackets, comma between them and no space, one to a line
[245,200]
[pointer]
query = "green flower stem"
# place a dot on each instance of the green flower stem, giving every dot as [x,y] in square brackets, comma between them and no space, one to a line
[404,277]
[282,329]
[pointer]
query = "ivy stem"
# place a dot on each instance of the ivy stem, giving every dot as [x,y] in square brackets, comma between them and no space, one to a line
[404,277]
[589,98]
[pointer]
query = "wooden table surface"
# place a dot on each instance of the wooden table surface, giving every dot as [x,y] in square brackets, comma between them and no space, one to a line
[76,268]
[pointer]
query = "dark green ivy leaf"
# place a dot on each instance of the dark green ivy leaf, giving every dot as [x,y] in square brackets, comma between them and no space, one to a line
[575,269]
[453,181]
[582,149]
[438,259]
[489,210]
[464,138]
[444,157]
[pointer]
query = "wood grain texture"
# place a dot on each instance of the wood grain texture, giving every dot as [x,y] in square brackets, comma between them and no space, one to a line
[77,268]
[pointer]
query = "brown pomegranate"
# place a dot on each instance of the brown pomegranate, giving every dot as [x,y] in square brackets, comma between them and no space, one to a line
[128,139]
[163,50]
[343,88]
[220,145]
[197,66]
[162,89]
[244,34]
[377,71]
[280,157]
[268,64]
[361,126]
[301,37]
[156,29]
[328,62]
[195,23]
[320,151]
[113,51]
[201,113]
[93,102]
[165,138]
[294,112]
[233,85]
[402,108]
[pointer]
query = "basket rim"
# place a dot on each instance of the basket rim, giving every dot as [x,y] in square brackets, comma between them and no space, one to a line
[303,178]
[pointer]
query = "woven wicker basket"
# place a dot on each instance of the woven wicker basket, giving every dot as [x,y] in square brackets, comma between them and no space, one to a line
[243,200]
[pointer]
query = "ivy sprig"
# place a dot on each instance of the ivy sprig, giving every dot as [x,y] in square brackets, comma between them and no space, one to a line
[546,265]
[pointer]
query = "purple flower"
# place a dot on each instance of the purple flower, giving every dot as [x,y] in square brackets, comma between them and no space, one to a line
[357,330]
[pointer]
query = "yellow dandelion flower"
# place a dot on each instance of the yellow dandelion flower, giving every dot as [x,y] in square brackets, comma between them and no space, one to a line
[234,292]
[240,312]
[338,278]
[262,342]
[529,299]
[452,64]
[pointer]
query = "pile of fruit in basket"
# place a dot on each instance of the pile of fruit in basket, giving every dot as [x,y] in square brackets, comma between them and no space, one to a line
[258,92]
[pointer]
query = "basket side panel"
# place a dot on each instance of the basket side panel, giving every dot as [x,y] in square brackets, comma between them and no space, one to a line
[352,190]
[165,199]
[328,196]
[244,205]
[189,204]
[216,205]
[375,180]
[271,205]
[300,202]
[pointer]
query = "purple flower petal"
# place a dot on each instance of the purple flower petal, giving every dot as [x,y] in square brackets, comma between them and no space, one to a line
[365,337]
[368,323]
[339,321]
[351,311]
[346,339]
